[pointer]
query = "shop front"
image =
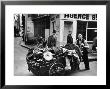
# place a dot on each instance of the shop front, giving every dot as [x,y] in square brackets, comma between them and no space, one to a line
[85,24]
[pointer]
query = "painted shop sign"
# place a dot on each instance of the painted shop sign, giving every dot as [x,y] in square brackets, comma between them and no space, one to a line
[80,16]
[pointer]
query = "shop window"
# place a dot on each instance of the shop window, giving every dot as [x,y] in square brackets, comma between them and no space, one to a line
[88,29]
[92,24]
[91,34]
[81,28]
[91,31]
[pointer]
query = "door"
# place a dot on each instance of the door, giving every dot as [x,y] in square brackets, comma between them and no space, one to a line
[68,26]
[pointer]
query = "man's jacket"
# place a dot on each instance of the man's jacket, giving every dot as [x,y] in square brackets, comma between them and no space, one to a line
[51,41]
[69,39]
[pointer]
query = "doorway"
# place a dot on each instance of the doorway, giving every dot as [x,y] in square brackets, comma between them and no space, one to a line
[68,26]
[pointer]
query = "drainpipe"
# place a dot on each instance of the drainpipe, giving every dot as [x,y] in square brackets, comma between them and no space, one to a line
[25,32]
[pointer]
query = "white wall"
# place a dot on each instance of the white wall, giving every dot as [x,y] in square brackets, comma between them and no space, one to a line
[30,25]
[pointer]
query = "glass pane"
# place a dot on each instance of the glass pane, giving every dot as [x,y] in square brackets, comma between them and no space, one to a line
[91,34]
[92,24]
[81,28]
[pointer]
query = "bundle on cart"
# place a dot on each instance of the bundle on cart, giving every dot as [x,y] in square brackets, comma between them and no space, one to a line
[46,61]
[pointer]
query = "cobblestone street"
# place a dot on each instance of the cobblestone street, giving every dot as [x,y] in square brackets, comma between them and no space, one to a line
[21,68]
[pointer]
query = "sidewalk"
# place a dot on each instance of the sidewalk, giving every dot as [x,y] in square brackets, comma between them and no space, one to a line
[92,56]
[26,46]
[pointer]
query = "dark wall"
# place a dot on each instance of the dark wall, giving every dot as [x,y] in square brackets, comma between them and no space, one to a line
[40,25]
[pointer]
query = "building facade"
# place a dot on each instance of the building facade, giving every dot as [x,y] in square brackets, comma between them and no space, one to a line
[85,24]
[44,24]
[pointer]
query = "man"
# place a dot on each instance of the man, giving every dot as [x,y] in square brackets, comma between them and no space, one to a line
[83,45]
[71,46]
[52,40]
[69,38]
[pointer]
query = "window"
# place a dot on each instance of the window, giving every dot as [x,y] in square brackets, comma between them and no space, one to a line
[91,30]
[91,34]
[81,28]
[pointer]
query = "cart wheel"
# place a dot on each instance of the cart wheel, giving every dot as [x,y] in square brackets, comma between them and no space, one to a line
[56,69]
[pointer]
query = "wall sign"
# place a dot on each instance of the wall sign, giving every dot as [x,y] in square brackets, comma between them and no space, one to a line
[81,16]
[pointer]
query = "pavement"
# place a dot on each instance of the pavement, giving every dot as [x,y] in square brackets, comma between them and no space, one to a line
[21,67]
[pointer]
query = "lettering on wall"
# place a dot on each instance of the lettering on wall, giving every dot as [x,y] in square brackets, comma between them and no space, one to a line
[81,16]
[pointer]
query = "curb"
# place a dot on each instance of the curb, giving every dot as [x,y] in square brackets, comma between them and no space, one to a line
[94,59]
[25,46]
